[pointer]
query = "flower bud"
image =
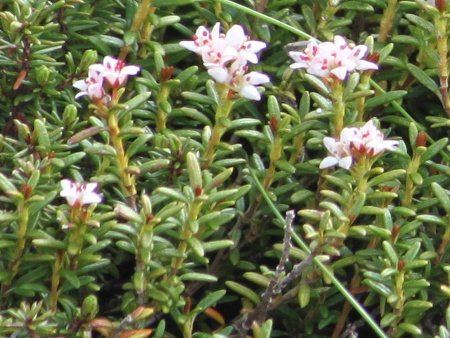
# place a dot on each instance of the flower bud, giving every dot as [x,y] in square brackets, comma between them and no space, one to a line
[89,308]
[70,114]
[194,171]
[167,73]
[42,74]
[440,5]
[89,57]
[421,140]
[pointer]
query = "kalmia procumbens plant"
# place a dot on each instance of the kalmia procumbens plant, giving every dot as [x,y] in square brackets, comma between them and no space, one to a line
[185,168]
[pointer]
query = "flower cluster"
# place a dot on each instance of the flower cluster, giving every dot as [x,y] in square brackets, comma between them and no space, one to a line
[332,59]
[354,142]
[78,194]
[113,73]
[226,56]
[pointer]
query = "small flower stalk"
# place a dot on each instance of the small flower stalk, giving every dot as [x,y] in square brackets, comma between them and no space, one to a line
[104,86]
[79,196]
[226,57]
[441,27]
[104,80]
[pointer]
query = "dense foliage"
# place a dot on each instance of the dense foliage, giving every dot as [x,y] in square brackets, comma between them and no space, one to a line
[256,182]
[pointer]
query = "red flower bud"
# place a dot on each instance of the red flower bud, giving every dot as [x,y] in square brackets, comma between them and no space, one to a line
[421,140]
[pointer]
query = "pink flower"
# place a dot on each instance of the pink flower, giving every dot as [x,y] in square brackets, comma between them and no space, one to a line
[226,55]
[78,194]
[355,142]
[203,39]
[239,81]
[340,154]
[369,140]
[92,86]
[329,59]
[217,49]
[114,71]
[241,42]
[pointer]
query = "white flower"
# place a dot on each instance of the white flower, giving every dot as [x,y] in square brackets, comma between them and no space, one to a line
[202,39]
[114,71]
[217,49]
[241,42]
[226,55]
[340,154]
[368,139]
[242,82]
[92,86]
[78,193]
[329,59]
[354,142]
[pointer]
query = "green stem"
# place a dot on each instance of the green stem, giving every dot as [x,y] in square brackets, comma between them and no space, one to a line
[23,213]
[76,242]
[387,21]
[442,46]
[56,278]
[222,112]
[140,18]
[360,102]
[413,166]
[188,232]
[327,15]
[358,307]
[275,155]
[299,142]
[128,186]
[161,117]
[339,108]
[143,258]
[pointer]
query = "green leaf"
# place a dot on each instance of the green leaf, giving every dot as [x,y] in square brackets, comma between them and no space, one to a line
[6,185]
[42,134]
[386,177]
[304,295]
[424,78]
[243,291]
[210,300]
[388,319]
[191,113]
[71,277]
[318,84]
[199,277]
[410,328]
[421,22]
[433,149]
[384,99]
[257,278]
[217,245]
[390,252]
[49,243]
[356,6]
[137,100]
[220,195]
[378,287]
[138,145]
